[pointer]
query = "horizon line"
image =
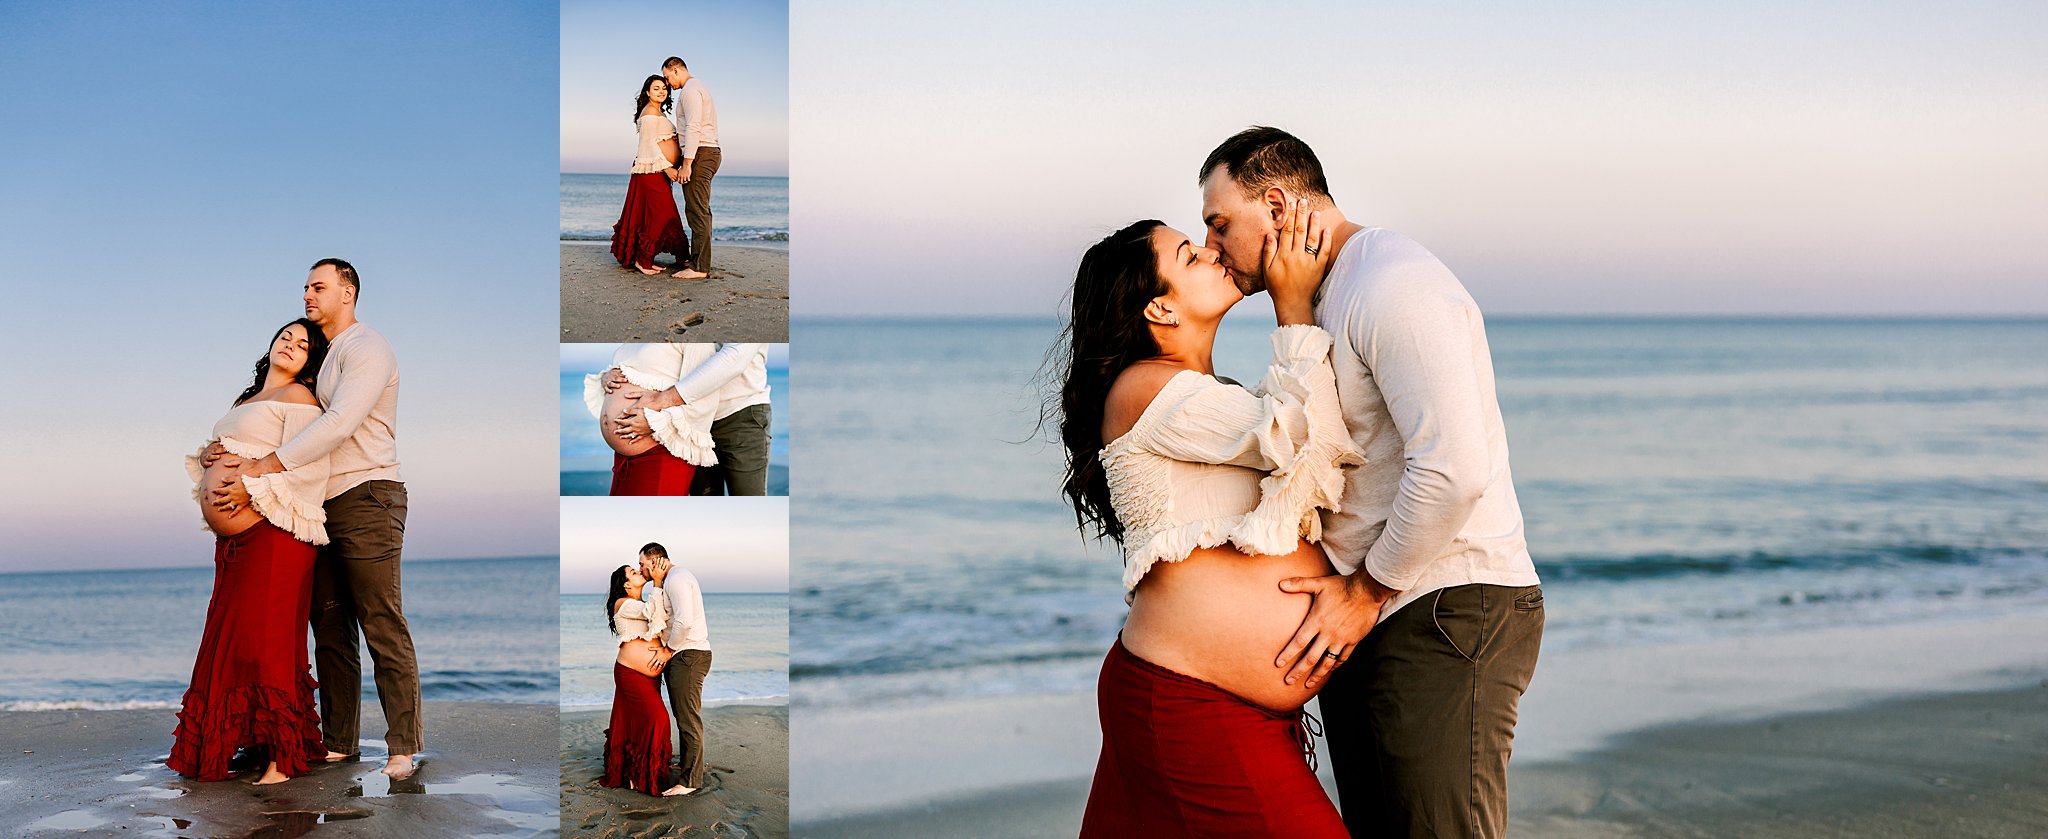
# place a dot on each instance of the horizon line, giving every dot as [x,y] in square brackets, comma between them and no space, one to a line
[554,556]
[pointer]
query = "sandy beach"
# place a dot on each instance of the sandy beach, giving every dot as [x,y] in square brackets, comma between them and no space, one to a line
[746,298]
[489,770]
[1872,731]
[746,785]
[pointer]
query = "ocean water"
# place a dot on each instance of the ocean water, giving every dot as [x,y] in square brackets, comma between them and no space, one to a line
[748,211]
[102,640]
[584,451]
[749,649]
[1680,479]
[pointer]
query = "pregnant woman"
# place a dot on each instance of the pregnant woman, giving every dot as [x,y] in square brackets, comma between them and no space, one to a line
[250,685]
[1212,489]
[649,223]
[678,440]
[636,746]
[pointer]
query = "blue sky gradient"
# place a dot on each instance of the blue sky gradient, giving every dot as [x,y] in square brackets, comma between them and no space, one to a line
[739,50]
[174,169]
[1562,158]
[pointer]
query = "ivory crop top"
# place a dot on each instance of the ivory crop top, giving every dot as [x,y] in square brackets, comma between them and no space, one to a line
[654,128]
[1210,462]
[685,430]
[643,620]
[293,499]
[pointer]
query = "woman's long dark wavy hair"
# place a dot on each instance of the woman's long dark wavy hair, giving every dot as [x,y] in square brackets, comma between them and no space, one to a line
[640,104]
[612,598]
[316,352]
[1106,332]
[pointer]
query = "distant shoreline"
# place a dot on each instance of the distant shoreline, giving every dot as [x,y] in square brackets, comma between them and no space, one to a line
[198,566]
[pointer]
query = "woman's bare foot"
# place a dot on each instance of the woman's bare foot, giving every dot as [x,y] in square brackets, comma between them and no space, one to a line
[689,274]
[400,767]
[272,776]
[648,270]
[678,789]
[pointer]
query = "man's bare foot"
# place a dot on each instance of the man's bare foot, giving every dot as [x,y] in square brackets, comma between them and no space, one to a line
[689,274]
[272,776]
[339,757]
[678,789]
[648,270]
[400,767]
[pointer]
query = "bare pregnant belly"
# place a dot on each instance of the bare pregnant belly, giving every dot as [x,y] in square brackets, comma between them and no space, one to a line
[615,405]
[223,524]
[1220,616]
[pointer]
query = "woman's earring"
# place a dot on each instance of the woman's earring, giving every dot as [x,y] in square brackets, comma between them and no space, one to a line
[1173,320]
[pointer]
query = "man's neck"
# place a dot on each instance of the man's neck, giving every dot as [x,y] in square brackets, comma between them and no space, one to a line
[1341,233]
[334,328]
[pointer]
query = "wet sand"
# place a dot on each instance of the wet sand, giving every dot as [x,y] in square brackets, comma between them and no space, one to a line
[746,780]
[489,770]
[746,298]
[1905,730]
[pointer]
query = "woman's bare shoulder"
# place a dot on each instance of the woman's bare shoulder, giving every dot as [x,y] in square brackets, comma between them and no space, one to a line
[297,394]
[1133,392]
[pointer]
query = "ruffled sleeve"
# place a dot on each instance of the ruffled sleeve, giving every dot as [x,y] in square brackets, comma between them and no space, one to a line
[653,130]
[295,499]
[685,430]
[195,468]
[1290,426]
[653,610]
[593,394]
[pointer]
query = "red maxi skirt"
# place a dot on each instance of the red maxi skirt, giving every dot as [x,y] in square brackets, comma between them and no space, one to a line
[251,686]
[652,472]
[1183,757]
[636,746]
[648,224]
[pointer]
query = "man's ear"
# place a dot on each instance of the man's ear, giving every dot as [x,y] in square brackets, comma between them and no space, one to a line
[1276,204]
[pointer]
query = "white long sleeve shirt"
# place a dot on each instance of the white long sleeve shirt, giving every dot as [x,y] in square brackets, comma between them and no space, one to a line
[696,117]
[686,627]
[1434,505]
[736,376]
[358,387]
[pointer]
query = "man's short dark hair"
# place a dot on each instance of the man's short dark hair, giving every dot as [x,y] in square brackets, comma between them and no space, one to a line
[346,271]
[674,62]
[1261,157]
[654,549]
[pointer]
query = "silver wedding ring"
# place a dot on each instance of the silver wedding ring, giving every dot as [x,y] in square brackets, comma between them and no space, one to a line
[1312,249]
[1332,654]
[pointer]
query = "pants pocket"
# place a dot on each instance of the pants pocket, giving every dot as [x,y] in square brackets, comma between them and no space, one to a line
[1460,614]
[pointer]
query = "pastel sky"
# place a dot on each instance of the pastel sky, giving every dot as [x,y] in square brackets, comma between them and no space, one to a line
[1586,157]
[739,50]
[730,544]
[172,172]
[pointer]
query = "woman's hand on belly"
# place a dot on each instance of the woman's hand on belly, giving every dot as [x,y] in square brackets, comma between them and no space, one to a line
[1220,616]
[616,404]
[224,522]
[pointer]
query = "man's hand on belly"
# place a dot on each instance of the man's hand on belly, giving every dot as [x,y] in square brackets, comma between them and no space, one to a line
[1343,611]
